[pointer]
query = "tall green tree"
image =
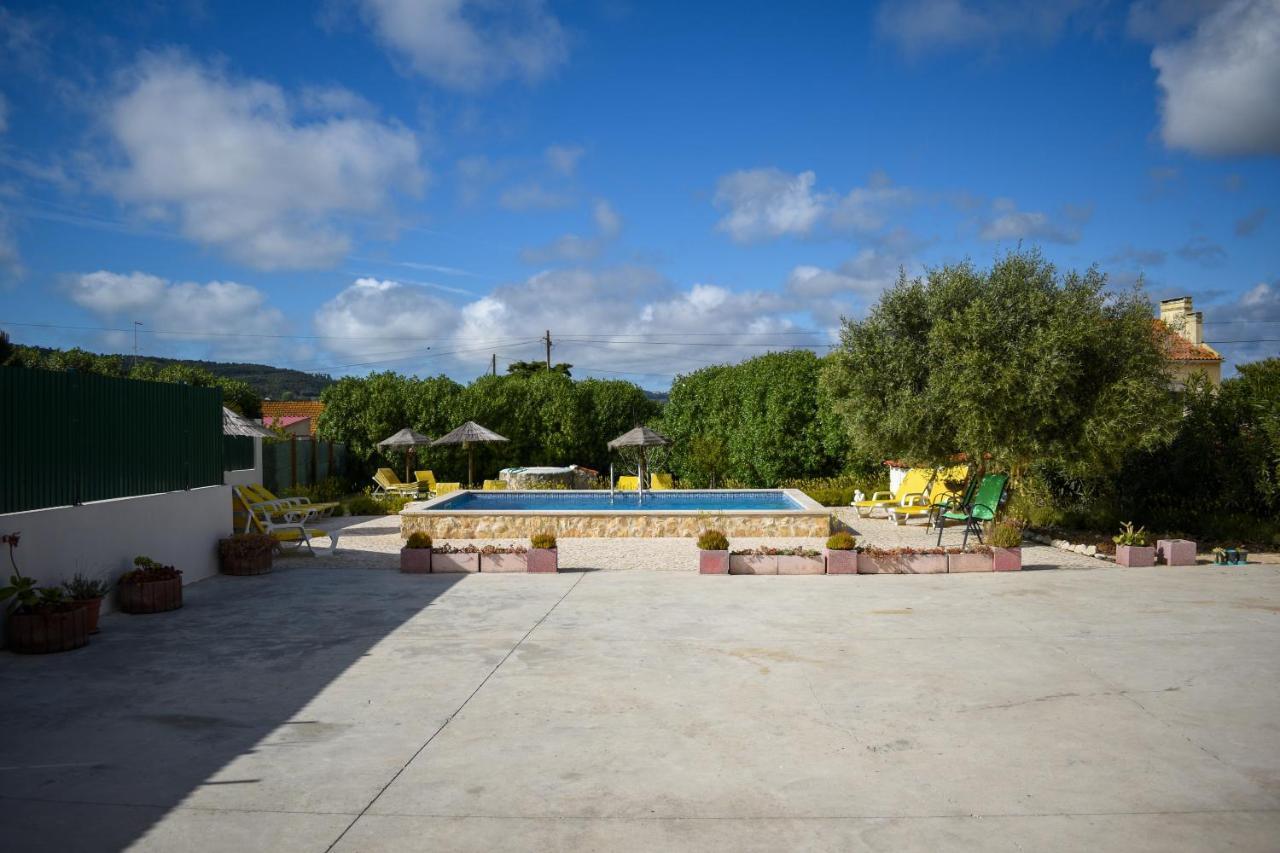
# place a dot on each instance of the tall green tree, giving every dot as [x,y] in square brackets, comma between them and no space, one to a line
[1016,363]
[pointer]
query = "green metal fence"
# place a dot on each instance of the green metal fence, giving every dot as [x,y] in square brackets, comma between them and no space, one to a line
[68,438]
[237,452]
[301,462]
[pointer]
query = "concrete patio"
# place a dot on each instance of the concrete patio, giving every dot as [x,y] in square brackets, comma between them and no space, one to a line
[335,706]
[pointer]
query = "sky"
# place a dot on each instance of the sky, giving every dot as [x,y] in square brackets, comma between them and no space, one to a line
[421,185]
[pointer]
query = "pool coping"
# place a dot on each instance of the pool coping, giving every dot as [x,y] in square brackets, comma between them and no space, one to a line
[807,505]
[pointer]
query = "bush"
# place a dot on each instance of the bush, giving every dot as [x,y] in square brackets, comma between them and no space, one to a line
[713,540]
[418,540]
[842,541]
[369,505]
[837,491]
[82,588]
[1005,535]
[543,540]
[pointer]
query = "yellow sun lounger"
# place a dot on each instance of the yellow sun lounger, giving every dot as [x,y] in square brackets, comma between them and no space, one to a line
[389,484]
[495,485]
[628,484]
[937,496]
[660,482]
[446,488]
[426,478]
[290,530]
[914,483]
[260,494]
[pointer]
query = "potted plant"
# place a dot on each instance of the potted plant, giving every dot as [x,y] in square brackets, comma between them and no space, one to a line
[87,593]
[902,561]
[504,558]
[1006,547]
[800,561]
[245,554]
[753,561]
[1220,556]
[713,553]
[543,556]
[415,556]
[841,554]
[1242,555]
[1132,548]
[975,558]
[150,587]
[449,559]
[40,620]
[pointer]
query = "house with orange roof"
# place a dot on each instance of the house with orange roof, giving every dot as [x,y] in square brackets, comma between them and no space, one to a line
[1181,331]
[286,414]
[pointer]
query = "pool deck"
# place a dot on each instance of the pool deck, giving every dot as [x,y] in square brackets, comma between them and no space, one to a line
[436,518]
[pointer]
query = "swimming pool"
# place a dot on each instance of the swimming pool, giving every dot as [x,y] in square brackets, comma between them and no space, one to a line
[681,512]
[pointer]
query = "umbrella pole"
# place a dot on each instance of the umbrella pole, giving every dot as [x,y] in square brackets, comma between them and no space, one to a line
[471,466]
[408,461]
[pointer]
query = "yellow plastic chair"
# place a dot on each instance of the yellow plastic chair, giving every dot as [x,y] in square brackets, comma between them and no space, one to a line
[915,483]
[426,478]
[628,484]
[389,484]
[291,530]
[660,482]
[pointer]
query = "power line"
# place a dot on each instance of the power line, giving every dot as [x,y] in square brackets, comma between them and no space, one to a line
[200,334]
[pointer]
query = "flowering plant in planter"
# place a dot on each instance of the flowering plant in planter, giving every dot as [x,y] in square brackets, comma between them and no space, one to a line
[246,554]
[787,561]
[1132,546]
[150,587]
[504,558]
[415,556]
[40,619]
[902,561]
[841,554]
[451,558]
[972,558]
[543,556]
[87,593]
[713,553]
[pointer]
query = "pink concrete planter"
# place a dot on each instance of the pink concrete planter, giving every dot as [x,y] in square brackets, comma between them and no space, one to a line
[753,564]
[504,563]
[415,561]
[794,564]
[1135,555]
[544,560]
[1006,559]
[841,562]
[713,562]
[957,563]
[451,563]
[1176,552]
[902,564]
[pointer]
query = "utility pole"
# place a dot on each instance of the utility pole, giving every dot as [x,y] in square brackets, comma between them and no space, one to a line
[136,324]
[548,349]
[493,364]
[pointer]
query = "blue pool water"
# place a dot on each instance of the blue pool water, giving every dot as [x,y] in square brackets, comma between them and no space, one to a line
[710,501]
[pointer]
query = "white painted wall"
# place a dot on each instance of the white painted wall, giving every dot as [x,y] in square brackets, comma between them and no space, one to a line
[247,476]
[100,539]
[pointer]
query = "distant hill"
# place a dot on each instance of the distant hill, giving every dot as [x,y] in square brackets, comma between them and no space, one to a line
[273,383]
[656,396]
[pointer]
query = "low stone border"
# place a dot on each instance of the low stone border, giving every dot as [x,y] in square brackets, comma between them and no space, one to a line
[1063,545]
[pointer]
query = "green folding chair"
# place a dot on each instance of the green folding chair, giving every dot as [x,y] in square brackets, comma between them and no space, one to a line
[978,505]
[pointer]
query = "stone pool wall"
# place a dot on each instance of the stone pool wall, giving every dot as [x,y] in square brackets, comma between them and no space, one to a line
[444,525]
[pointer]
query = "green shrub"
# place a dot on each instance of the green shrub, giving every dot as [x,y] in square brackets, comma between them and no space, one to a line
[842,541]
[713,540]
[82,588]
[1006,534]
[418,540]
[838,491]
[543,540]
[368,505]
[1130,536]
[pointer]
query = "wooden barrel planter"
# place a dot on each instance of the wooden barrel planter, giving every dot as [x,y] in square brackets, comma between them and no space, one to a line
[150,596]
[245,554]
[44,633]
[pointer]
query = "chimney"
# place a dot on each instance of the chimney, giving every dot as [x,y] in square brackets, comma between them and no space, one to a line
[1178,315]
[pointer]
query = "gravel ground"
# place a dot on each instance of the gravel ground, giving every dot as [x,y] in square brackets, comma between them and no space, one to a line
[374,542]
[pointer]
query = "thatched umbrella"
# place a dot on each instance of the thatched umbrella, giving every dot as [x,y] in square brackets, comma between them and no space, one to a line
[407,440]
[641,438]
[233,424]
[468,435]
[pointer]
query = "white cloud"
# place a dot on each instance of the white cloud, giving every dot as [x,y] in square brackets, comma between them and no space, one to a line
[1008,223]
[231,161]
[533,196]
[564,158]
[765,203]
[187,306]
[470,44]
[866,209]
[382,311]
[577,249]
[920,26]
[863,276]
[1220,85]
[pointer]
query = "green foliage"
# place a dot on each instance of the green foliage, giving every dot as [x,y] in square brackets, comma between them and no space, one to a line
[842,541]
[367,504]
[1005,535]
[550,419]
[713,540]
[756,423]
[84,588]
[1016,362]
[418,540]
[1131,536]
[528,368]
[838,491]
[327,490]
[543,540]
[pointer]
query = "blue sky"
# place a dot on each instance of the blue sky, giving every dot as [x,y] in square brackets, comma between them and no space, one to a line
[387,184]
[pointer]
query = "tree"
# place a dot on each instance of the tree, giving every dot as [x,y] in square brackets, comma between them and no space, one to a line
[1016,364]
[529,368]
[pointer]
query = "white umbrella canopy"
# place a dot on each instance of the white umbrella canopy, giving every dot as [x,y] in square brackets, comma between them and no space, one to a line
[468,435]
[233,424]
[407,440]
[640,440]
